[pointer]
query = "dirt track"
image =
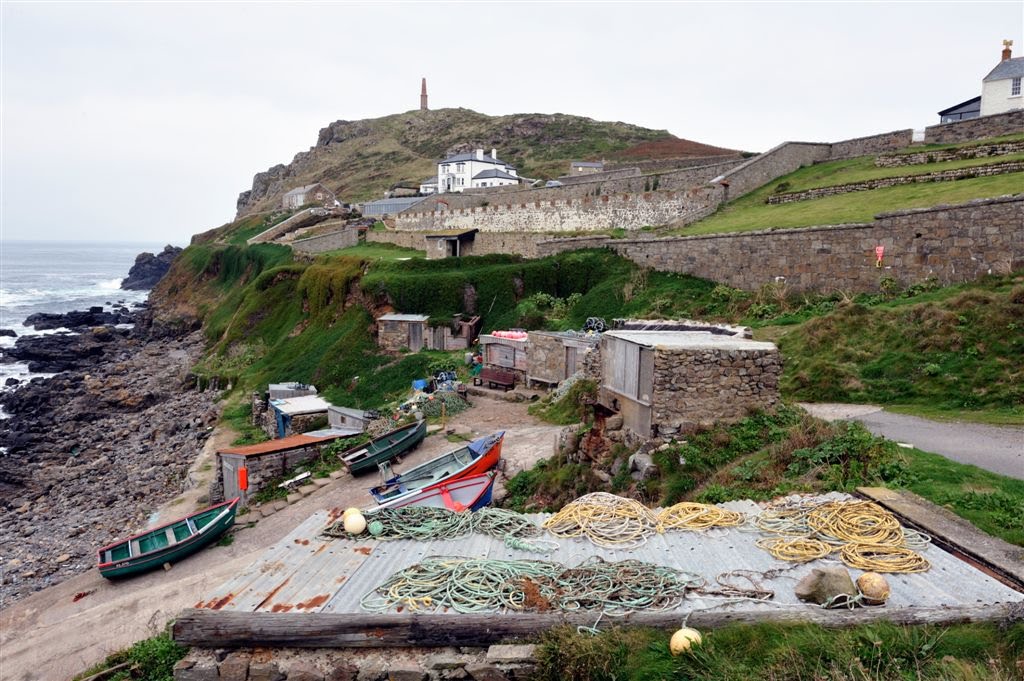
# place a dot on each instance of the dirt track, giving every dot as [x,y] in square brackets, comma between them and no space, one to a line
[50,636]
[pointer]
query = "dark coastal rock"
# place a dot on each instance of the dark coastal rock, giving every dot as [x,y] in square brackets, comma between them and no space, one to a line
[59,352]
[11,381]
[8,332]
[92,452]
[149,269]
[78,320]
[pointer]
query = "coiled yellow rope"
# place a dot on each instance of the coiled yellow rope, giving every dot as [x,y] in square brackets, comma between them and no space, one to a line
[605,519]
[795,549]
[690,515]
[879,558]
[862,522]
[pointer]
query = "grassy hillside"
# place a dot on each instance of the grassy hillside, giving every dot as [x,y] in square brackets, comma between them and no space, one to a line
[362,159]
[750,212]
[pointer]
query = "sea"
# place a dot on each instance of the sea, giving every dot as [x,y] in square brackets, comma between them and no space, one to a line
[61,276]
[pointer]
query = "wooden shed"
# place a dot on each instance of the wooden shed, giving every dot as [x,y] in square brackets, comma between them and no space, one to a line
[506,350]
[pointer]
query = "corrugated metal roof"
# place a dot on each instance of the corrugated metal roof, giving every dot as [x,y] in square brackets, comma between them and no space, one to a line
[396,317]
[281,444]
[304,404]
[340,572]
[1009,68]
[390,206]
[685,340]
[333,433]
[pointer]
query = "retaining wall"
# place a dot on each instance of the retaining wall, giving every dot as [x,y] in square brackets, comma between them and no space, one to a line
[939,155]
[950,243]
[872,144]
[976,128]
[781,160]
[343,238]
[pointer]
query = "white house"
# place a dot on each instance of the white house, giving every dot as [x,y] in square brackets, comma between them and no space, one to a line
[469,171]
[1001,88]
[428,186]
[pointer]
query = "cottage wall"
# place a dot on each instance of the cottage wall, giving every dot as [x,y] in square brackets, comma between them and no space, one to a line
[702,386]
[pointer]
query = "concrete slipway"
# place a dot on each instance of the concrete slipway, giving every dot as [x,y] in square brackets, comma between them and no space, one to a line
[306,589]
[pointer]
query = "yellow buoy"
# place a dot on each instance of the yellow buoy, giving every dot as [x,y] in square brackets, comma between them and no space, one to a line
[873,588]
[355,523]
[349,511]
[683,640]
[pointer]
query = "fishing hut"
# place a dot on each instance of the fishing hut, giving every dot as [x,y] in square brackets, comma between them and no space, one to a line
[555,356]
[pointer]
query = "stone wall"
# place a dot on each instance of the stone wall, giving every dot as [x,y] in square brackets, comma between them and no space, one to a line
[937,176]
[939,155]
[695,387]
[263,468]
[589,213]
[975,128]
[604,176]
[343,238]
[872,144]
[781,160]
[494,663]
[663,165]
[951,243]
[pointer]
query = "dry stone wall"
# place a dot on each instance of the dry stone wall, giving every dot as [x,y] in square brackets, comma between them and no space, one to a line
[938,176]
[781,160]
[951,243]
[1007,123]
[699,386]
[343,238]
[872,144]
[939,155]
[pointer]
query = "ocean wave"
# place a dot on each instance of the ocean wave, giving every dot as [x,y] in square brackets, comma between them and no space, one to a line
[29,295]
[110,284]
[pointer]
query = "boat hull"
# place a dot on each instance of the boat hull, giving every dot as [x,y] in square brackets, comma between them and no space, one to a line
[477,458]
[143,562]
[467,493]
[411,436]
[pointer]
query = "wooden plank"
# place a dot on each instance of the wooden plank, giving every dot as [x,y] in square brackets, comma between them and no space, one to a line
[210,629]
[998,558]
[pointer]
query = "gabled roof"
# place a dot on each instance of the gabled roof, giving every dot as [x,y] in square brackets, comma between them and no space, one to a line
[1009,68]
[494,172]
[472,157]
[970,104]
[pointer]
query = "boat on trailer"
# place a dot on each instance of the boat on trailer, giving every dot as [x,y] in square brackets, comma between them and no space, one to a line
[366,457]
[167,543]
[465,494]
[477,457]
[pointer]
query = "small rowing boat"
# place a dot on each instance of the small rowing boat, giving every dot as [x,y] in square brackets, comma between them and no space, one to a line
[166,544]
[469,493]
[479,456]
[365,457]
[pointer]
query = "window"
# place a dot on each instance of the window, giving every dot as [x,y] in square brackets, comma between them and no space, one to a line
[1015,87]
[460,167]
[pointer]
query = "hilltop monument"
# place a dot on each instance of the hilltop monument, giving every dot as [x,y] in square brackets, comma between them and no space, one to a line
[423,95]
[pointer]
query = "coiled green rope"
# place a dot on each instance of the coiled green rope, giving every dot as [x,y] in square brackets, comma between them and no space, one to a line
[469,585]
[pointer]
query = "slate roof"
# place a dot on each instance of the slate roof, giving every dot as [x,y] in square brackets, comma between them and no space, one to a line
[472,157]
[1010,68]
[972,104]
[587,164]
[495,173]
[301,190]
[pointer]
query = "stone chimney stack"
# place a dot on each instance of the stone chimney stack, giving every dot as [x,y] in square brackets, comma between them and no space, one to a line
[423,95]
[479,154]
[494,153]
[1007,44]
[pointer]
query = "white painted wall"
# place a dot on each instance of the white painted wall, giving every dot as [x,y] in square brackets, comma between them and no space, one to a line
[458,176]
[996,97]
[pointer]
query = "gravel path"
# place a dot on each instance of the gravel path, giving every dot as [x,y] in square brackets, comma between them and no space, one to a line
[999,449]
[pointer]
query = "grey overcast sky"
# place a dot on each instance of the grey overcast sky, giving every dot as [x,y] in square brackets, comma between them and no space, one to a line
[143,121]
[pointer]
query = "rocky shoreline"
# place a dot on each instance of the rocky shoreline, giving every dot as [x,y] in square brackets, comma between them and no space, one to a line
[93,451]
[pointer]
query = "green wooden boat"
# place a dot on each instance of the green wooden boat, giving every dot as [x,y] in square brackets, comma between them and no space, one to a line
[166,544]
[365,457]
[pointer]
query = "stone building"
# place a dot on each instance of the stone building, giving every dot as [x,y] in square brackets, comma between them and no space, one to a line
[585,167]
[555,356]
[402,331]
[450,244]
[296,415]
[309,194]
[669,382]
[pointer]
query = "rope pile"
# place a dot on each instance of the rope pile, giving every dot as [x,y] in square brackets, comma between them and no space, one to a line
[866,535]
[425,523]
[614,521]
[468,585]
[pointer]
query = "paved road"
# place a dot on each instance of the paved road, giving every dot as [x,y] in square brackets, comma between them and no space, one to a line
[999,449]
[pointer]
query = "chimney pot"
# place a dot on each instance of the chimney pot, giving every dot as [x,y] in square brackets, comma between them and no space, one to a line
[1006,49]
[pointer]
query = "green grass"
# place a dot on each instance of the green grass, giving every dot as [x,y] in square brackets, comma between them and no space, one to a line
[378,251]
[571,408]
[949,350]
[152,659]
[876,652]
[751,213]
[993,503]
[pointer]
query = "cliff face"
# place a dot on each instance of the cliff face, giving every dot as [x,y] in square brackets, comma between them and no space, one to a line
[360,160]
